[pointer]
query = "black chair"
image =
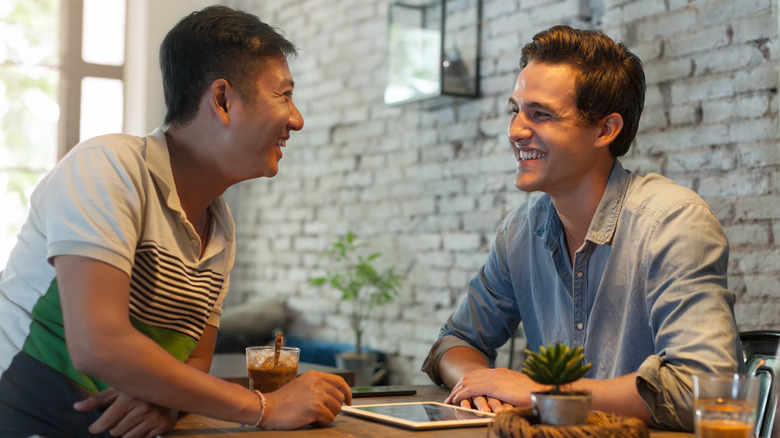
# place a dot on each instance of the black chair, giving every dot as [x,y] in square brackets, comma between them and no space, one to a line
[760,349]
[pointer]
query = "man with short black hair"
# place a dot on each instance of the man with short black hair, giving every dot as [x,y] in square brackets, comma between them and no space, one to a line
[111,300]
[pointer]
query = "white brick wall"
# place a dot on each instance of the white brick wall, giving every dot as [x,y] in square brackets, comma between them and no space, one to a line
[427,183]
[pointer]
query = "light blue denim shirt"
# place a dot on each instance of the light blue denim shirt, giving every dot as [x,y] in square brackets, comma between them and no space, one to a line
[646,292]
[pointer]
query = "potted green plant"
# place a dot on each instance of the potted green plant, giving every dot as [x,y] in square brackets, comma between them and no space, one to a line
[366,287]
[557,365]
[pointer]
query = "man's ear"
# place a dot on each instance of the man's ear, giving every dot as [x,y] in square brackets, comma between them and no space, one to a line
[219,101]
[611,126]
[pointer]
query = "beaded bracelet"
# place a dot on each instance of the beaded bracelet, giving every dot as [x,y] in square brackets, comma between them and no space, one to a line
[262,407]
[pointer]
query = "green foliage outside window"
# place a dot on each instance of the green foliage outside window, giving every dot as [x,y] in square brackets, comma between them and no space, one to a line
[29,113]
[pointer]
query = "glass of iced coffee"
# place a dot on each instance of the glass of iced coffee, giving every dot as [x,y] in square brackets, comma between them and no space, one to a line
[269,372]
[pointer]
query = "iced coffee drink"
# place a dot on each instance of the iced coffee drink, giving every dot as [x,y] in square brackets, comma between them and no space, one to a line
[268,373]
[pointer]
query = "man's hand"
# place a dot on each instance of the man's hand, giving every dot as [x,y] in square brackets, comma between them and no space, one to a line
[485,404]
[493,390]
[127,416]
[314,398]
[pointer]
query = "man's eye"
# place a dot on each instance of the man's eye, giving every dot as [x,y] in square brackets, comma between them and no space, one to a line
[513,111]
[539,115]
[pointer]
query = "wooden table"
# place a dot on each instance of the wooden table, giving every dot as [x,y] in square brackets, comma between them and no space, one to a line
[232,367]
[197,426]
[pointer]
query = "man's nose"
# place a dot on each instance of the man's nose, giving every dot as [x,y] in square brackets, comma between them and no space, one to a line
[519,129]
[296,118]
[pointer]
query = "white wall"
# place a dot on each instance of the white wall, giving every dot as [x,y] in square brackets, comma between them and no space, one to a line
[426,183]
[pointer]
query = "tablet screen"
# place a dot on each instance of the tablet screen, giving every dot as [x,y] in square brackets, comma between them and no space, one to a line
[422,414]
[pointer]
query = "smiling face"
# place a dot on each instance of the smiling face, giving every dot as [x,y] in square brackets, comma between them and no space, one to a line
[261,127]
[555,153]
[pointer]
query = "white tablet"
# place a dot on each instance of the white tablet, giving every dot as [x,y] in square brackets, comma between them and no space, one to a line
[421,415]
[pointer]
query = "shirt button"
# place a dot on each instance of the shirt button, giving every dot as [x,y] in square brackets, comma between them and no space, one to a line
[579,326]
[580,274]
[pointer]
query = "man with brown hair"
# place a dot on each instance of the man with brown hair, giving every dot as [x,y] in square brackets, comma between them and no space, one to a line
[631,268]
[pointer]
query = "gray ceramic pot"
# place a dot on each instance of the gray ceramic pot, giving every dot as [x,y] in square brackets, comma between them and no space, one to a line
[366,366]
[567,409]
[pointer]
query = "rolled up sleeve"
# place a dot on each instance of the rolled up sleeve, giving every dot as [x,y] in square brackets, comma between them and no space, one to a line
[431,363]
[667,392]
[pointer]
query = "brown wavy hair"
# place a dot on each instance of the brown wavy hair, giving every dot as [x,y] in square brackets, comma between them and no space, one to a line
[610,79]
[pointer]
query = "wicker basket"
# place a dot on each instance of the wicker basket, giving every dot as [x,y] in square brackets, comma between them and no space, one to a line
[521,423]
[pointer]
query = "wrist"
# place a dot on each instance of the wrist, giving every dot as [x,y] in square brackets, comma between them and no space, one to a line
[261,411]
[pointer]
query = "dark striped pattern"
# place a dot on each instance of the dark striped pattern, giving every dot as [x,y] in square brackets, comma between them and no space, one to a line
[166,293]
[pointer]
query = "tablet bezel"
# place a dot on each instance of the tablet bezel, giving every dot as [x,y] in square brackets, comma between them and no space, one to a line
[359,411]
[381,391]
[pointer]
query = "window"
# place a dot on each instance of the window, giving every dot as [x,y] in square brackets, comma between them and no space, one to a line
[53,96]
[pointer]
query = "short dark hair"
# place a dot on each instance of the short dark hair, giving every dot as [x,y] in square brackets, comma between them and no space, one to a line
[610,80]
[216,42]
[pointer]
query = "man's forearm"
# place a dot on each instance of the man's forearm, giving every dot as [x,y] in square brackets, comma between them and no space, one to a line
[203,354]
[618,395]
[458,361]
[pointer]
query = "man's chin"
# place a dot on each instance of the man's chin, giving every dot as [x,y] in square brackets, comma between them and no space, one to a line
[270,171]
[524,186]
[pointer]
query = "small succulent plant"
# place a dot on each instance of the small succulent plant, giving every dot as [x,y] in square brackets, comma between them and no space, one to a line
[556,365]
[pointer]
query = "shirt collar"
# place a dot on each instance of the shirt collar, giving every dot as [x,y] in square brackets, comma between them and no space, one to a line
[602,226]
[550,229]
[158,161]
